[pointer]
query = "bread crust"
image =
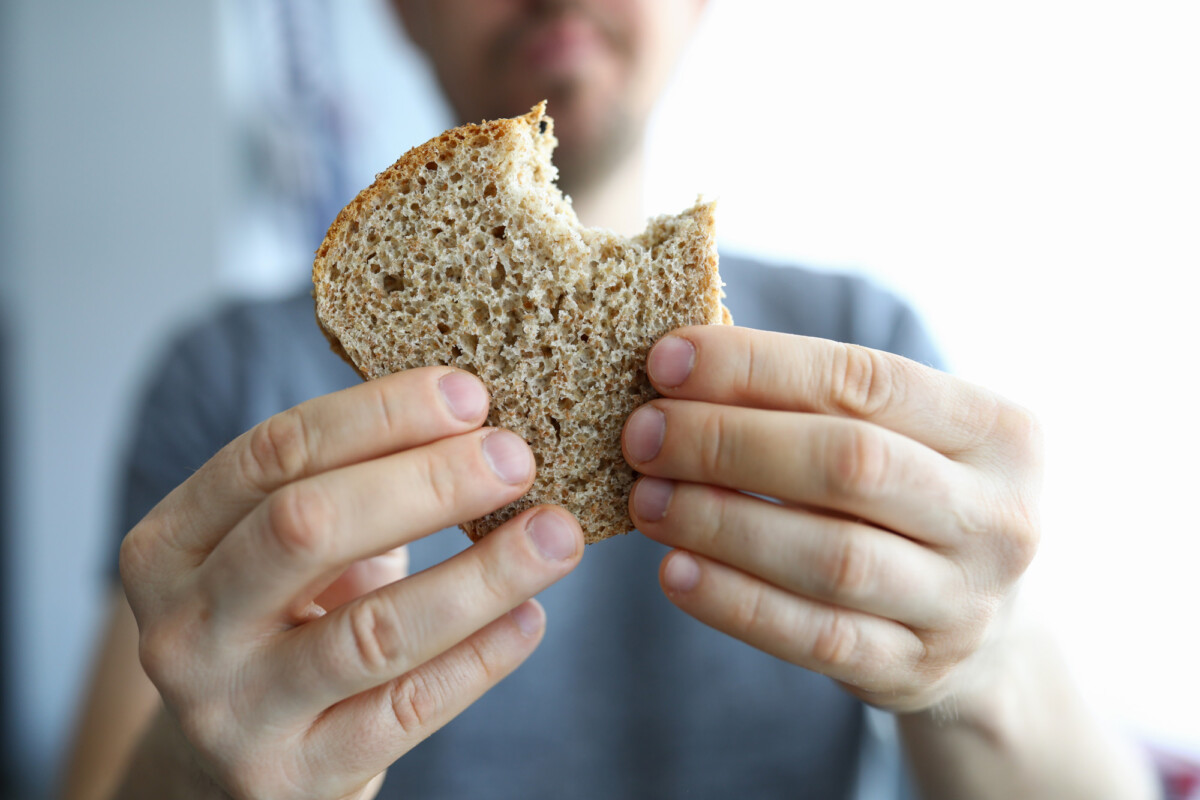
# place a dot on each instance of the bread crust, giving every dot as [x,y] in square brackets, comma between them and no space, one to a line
[464,253]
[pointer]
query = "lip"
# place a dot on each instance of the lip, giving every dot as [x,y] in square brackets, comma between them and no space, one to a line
[561,44]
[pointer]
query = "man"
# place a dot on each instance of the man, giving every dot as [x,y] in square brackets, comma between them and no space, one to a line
[293,660]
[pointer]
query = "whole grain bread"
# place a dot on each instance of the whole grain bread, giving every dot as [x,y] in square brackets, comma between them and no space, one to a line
[465,253]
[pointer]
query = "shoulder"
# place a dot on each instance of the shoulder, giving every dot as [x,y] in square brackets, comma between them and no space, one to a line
[830,305]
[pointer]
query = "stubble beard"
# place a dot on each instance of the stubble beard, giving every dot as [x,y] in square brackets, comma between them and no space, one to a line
[589,149]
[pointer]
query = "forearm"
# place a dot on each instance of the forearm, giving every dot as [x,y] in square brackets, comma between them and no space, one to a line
[1023,731]
[118,706]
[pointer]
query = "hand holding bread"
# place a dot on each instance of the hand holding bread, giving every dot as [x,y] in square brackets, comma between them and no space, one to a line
[267,594]
[906,508]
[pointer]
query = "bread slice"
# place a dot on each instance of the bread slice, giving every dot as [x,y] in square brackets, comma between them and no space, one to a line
[465,253]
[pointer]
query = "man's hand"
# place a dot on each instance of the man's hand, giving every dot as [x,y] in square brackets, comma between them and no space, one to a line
[907,505]
[266,588]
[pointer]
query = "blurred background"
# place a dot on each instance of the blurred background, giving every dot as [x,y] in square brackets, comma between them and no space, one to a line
[1026,173]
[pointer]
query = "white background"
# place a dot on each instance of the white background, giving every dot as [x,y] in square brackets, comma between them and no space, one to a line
[1027,173]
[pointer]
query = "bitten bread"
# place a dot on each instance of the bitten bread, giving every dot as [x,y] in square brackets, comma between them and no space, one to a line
[465,253]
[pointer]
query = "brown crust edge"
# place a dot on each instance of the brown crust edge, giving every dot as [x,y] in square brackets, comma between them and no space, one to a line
[407,166]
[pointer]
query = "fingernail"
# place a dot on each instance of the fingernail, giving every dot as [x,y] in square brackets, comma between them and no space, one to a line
[671,361]
[651,498]
[508,456]
[682,572]
[644,434]
[552,535]
[528,617]
[464,395]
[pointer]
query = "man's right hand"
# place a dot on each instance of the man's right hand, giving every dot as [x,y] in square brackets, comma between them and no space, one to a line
[281,692]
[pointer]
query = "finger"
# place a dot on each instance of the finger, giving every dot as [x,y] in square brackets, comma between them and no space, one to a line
[388,633]
[850,466]
[291,546]
[363,577]
[372,419]
[825,558]
[761,369]
[364,734]
[862,650]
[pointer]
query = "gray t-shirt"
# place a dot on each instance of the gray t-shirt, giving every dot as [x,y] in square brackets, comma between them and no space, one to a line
[626,697]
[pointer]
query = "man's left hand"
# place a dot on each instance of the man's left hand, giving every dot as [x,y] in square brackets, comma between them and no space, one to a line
[902,505]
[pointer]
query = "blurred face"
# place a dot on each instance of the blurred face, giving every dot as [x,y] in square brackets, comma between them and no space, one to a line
[601,64]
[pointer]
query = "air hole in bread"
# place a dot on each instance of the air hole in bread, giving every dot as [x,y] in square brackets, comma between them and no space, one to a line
[498,275]
[443,327]
[432,167]
[557,429]
[500,231]
[482,312]
[490,190]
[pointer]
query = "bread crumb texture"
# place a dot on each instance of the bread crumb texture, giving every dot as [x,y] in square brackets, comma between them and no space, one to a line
[465,253]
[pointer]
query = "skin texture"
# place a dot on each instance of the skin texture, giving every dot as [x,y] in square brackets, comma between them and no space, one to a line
[291,658]
[907,513]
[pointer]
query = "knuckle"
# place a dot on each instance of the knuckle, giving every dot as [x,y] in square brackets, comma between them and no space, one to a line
[378,643]
[277,450]
[749,610]
[158,652]
[441,479]
[751,362]
[716,450]
[492,579]
[1019,428]
[863,384]
[859,461]
[847,571]
[136,558]
[711,516]
[1021,544]
[391,419]
[836,641]
[415,704]
[301,520]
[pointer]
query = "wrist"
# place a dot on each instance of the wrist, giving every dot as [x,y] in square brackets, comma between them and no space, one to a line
[165,765]
[1017,726]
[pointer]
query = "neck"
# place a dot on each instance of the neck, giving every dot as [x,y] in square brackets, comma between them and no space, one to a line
[614,199]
